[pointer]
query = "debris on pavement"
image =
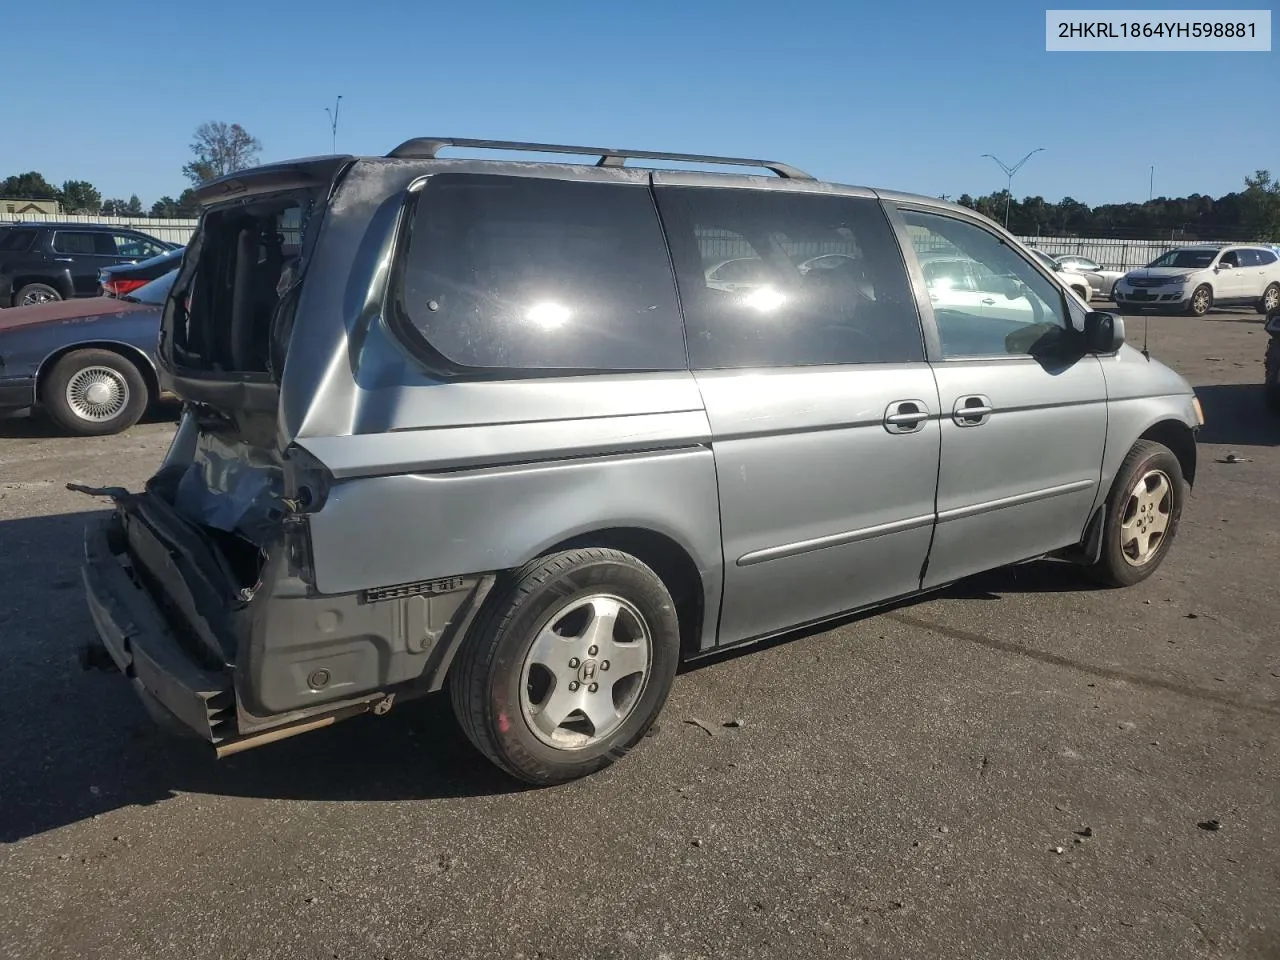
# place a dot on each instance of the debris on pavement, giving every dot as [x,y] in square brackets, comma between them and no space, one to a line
[1212,824]
[733,724]
[1059,850]
[1085,832]
[695,722]
[1234,458]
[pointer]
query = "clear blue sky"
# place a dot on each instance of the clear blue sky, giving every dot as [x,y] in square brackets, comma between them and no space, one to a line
[900,95]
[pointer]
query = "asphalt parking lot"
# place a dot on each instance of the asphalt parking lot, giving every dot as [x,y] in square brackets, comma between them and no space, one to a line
[1022,766]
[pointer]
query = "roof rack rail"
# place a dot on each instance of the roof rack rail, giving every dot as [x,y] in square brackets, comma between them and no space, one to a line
[426,148]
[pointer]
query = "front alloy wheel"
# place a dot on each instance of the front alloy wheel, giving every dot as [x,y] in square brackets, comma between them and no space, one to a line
[1147,513]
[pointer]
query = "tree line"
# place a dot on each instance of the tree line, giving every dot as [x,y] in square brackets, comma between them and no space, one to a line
[1250,214]
[218,149]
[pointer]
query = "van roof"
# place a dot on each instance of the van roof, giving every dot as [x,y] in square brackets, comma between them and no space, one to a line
[428,148]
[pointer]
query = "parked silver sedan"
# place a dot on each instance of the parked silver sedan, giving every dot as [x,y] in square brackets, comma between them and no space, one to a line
[1101,280]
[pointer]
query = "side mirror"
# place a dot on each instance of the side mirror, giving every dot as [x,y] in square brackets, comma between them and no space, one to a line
[1103,332]
[1225,266]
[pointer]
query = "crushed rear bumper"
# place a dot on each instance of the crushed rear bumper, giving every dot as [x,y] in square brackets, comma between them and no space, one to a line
[176,690]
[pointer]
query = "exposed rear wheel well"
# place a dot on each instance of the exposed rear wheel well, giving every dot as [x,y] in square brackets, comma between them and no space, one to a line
[1179,438]
[132,354]
[668,560]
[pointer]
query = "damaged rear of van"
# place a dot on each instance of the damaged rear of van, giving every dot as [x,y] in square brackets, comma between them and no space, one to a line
[343,492]
[202,586]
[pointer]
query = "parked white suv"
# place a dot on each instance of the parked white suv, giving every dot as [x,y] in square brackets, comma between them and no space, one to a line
[1194,279]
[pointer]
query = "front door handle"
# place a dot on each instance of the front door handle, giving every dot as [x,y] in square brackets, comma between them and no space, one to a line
[906,416]
[972,411]
[988,301]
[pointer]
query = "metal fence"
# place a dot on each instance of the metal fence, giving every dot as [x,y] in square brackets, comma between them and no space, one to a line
[1111,254]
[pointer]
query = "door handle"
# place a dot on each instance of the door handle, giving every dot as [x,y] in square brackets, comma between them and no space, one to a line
[972,411]
[988,301]
[63,260]
[905,416]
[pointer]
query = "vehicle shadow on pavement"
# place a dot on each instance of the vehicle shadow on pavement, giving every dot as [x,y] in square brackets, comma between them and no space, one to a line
[79,744]
[36,426]
[1038,576]
[1236,415]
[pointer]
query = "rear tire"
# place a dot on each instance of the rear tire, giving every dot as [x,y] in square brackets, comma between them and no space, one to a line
[1270,299]
[1201,301]
[1142,515]
[34,293]
[533,687]
[92,393]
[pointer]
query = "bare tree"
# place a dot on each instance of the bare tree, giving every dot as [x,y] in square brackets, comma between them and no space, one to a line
[220,148]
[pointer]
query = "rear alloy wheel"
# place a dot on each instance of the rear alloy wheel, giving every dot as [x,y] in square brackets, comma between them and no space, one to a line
[1142,515]
[34,293]
[1201,300]
[568,666]
[1270,299]
[92,393]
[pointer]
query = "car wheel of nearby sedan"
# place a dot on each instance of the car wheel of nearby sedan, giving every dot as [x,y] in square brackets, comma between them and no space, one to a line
[34,293]
[1142,514]
[568,666]
[92,393]
[1270,299]
[1201,300]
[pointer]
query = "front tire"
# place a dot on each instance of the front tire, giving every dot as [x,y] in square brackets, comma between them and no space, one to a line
[1270,299]
[1142,515]
[92,393]
[568,666]
[1201,301]
[34,293]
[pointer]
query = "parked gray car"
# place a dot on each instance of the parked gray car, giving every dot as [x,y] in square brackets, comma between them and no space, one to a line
[494,429]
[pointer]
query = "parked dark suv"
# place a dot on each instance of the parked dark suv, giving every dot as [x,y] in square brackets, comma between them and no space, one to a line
[42,262]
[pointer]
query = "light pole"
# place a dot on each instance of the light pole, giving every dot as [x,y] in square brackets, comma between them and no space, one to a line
[1009,172]
[333,120]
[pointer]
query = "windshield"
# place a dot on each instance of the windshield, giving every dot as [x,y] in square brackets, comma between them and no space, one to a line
[1185,258]
[155,292]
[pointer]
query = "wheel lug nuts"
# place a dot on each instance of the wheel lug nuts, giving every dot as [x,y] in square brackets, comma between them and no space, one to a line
[573,663]
[573,685]
[592,651]
[604,665]
[593,688]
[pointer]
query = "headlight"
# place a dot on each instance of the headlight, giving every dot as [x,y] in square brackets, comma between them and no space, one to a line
[1195,402]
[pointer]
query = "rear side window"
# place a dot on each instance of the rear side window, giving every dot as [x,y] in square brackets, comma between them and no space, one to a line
[134,247]
[525,273]
[776,279]
[1266,257]
[77,243]
[17,241]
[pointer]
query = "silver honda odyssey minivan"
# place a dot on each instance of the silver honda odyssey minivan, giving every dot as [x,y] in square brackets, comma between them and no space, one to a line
[538,433]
